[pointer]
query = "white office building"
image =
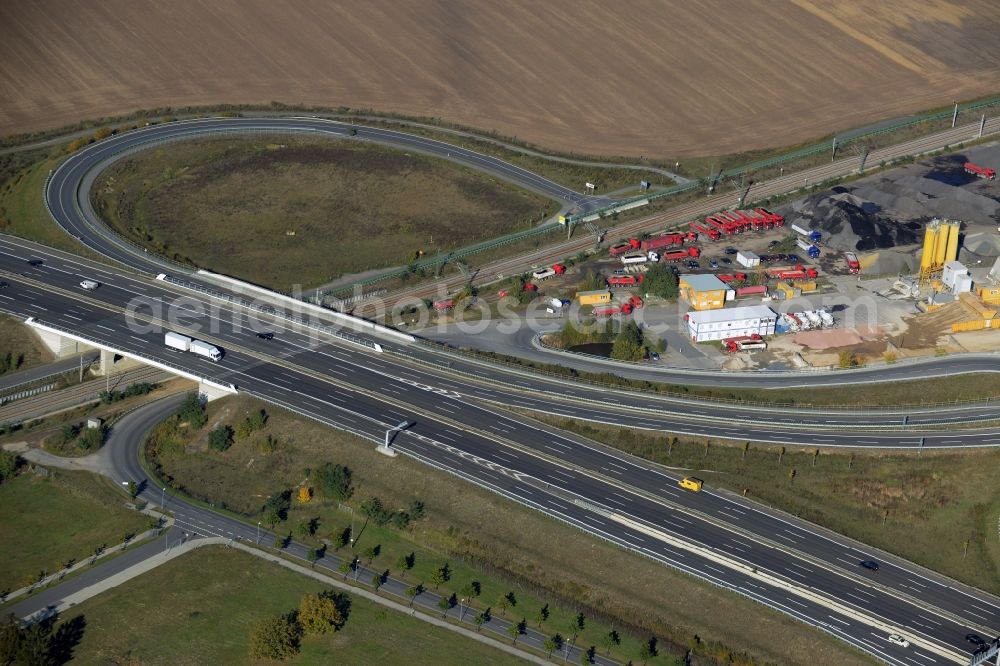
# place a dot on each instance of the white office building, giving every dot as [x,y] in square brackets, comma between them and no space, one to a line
[705,325]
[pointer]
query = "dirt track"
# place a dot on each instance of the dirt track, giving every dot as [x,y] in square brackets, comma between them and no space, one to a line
[636,78]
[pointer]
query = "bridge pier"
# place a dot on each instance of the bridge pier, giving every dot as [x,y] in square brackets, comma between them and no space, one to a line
[210,392]
[112,362]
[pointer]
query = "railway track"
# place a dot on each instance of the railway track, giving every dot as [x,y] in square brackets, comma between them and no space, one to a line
[675,216]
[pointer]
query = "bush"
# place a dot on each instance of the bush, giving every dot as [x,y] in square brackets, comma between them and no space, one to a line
[221,438]
[333,481]
[10,462]
[92,439]
[372,507]
[192,411]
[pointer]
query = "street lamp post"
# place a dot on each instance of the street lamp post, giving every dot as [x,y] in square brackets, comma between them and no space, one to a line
[386,448]
[258,533]
[163,495]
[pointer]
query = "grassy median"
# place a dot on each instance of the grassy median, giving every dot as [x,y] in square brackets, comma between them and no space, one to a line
[284,210]
[481,536]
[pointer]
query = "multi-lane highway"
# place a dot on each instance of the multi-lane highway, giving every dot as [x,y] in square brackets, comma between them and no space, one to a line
[786,563]
[454,406]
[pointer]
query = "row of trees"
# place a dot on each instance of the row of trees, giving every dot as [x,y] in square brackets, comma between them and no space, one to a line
[279,637]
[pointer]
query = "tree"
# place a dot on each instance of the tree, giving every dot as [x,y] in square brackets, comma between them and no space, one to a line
[275,638]
[319,614]
[340,538]
[576,626]
[373,508]
[610,640]
[378,579]
[413,592]
[628,344]
[660,281]
[444,603]
[312,555]
[257,419]
[372,552]
[333,481]
[305,495]
[514,629]
[279,502]
[587,656]
[221,438]
[542,615]
[791,476]
[133,489]
[441,574]
[346,567]
[553,643]
[405,563]
[480,619]
[308,527]
[192,411]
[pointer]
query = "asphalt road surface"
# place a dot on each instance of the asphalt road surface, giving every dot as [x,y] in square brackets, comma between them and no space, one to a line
[732,542]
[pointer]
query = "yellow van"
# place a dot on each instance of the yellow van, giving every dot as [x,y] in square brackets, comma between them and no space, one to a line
[691,483]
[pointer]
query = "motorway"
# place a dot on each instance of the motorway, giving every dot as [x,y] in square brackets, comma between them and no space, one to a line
[452,402]
[732,542]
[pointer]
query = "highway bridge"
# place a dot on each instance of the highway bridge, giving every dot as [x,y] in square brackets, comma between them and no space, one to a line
[455,406]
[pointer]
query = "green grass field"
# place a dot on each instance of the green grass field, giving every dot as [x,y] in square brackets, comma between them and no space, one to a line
[46,522]
[505,546]
[198,609]
[932,503]
[291,210]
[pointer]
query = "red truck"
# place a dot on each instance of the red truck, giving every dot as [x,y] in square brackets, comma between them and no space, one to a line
[795,273]
[444,305]
[773,218]
[680,255]
[708,231]
[627,246]
[660,242]
[759,290]
[559,269]
[724,226]
[625,280]
[853,265]
[980,171]
[727,278]
[634,303]
[743,343]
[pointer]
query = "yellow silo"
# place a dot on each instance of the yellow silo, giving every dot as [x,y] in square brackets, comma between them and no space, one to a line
[951,254]
[941,246]
[930,240]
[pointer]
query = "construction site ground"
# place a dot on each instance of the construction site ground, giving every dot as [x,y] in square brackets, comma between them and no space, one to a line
[881,218]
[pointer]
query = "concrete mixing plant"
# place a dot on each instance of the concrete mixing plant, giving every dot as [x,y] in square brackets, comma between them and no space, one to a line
[940,247]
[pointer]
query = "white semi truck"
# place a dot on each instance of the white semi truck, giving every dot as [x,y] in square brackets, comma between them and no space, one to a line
[183,343]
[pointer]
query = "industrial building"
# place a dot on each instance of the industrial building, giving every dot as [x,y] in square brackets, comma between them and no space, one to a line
[703,292]
[940,247]
[731,323]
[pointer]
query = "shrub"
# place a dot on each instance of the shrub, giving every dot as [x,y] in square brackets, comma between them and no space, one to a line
[221,438]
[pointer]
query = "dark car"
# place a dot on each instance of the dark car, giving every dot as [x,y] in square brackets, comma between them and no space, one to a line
[731,250]
[35,262]
[974,639]
[794,258]
[713,263]
[727,261]
[266,336]
[693,264]
[3,284]
[869,564]
[773,243]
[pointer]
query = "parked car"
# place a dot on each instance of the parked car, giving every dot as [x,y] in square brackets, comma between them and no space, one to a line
[712,263]
[731,250]
[727,261]
[794,258]
[693,264]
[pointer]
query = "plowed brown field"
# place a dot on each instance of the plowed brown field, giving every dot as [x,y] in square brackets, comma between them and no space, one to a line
[632,77]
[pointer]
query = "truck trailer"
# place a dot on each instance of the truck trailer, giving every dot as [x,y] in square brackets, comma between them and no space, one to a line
[183,343]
